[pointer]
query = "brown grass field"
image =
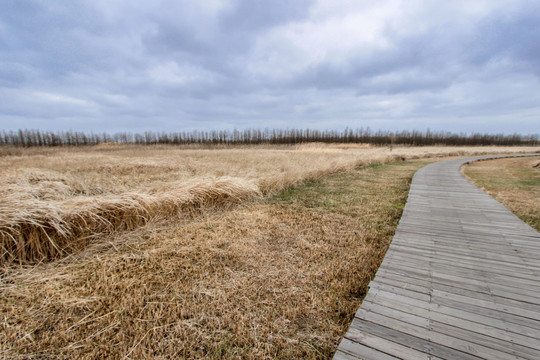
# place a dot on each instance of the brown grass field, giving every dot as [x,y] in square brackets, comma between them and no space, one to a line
[168,252]
[514,182]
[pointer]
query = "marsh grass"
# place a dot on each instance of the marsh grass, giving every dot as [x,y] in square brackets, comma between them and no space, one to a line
[515,182]
[56,201]
[277,277]
[36,231]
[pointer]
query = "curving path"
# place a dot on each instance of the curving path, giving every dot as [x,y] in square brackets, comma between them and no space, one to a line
[461,279]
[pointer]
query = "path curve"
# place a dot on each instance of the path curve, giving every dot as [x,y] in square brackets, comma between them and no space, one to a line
[461,279]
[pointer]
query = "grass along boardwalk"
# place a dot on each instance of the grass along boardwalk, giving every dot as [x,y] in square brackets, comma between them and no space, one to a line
[460,280]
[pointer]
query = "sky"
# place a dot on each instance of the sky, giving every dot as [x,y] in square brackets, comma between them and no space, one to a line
[175,65]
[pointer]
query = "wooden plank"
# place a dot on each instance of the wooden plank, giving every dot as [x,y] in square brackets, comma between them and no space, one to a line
[440,277]
[484,306]
[513,350]
[427,334]
[508,306]
[433,245]
[425,286]
[400,351]
[465,321]
[478,333]
[406,228]
[507,317]
[502,272]
[466,260]
[412,341]
[424,295]
[499,263]
[503,253]
[340,355]
[482,241]
[381,304]
[355,350]
[374,295]
[527,239]
[449,274]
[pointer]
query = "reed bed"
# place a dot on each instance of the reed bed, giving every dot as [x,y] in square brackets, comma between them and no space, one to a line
[55,201]
[34,230]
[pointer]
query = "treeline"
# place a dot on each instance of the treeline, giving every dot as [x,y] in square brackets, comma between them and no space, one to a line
[28,138]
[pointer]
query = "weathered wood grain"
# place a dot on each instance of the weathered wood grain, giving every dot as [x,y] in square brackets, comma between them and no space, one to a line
[461,279]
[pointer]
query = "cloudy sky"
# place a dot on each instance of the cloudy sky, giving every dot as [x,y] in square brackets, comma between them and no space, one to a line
[169,65]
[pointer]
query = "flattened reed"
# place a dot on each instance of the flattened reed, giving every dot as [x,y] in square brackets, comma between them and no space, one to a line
[34,230]
[54,201]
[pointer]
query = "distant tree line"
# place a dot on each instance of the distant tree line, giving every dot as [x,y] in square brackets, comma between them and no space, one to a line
[28,138]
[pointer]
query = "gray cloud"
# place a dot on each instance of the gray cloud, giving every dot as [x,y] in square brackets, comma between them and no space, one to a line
[172,65]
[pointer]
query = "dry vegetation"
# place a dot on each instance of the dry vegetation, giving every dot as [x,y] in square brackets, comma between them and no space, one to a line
[54,201]
[515,182]
[278,276]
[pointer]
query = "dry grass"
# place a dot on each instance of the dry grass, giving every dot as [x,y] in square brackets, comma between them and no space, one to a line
[276,278]
[54,201]
[36,230]
[515,182]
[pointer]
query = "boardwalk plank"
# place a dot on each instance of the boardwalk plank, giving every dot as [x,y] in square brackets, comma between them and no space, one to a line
[355,350]
[500,304]
[449,274]
[421,285]
[340,355]
[407,339]
[514,344]
[458,312]
[392,348]
[500,271]
[427,334]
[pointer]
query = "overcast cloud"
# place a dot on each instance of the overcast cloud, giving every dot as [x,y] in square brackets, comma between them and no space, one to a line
[169,65]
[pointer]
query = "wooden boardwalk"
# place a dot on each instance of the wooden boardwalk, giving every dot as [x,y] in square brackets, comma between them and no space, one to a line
[461,279]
